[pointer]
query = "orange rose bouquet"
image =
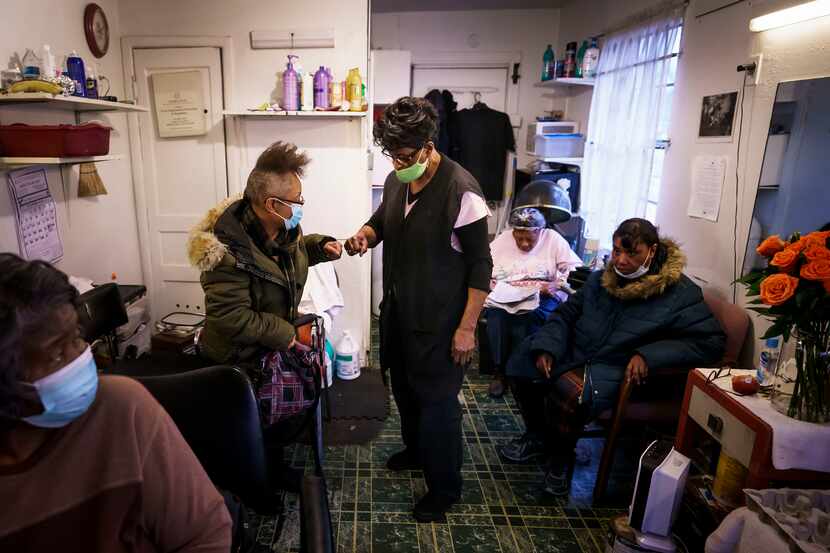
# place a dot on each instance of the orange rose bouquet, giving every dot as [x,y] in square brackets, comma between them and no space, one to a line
[793,291]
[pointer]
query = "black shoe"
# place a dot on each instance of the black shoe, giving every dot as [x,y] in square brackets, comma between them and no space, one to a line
[403,460]
[432,508]
[557,482]
[522,450]
[288,479]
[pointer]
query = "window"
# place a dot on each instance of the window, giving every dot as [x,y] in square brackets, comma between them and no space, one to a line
[663,141]
[628,125]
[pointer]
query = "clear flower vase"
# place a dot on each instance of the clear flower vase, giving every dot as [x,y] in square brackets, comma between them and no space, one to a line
[801,386]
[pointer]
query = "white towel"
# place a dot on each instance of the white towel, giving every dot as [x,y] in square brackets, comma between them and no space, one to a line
[321,294]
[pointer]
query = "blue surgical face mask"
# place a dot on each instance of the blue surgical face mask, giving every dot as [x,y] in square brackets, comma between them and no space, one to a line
[66,394]
[640,271]
[296,215]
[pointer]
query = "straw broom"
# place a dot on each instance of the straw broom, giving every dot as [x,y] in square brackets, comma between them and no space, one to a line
[89,181]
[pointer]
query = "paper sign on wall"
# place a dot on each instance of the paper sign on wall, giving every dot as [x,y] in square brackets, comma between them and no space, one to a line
[180,104]
[708,176]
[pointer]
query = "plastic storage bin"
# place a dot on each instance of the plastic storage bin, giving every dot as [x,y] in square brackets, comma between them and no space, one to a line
[560,145]
[89,139]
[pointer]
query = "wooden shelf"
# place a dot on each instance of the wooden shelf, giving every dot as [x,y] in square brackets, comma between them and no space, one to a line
[66,103]
[563,160]
[23,161]
[557,83]
[296,114]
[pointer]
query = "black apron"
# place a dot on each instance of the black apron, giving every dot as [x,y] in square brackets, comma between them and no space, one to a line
[425,281]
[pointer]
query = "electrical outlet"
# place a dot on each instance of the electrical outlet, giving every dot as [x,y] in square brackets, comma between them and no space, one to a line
[755,78]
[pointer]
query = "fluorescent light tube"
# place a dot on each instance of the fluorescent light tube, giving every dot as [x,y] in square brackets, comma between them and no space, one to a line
[788,16]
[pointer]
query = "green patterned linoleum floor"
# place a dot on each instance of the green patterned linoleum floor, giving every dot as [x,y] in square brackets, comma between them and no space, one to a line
[502,508]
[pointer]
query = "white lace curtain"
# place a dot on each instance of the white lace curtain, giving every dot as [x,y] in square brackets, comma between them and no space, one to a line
[622,127]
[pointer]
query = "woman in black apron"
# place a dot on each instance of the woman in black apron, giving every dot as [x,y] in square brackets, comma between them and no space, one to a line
[436,275]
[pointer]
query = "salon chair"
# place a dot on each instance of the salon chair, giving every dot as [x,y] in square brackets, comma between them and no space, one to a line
[100,312]
[658,402]
[216,412]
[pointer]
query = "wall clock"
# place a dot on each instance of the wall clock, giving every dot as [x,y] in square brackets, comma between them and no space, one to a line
[97,30]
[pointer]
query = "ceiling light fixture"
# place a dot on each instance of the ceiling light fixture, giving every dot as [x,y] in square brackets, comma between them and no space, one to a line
[788,16]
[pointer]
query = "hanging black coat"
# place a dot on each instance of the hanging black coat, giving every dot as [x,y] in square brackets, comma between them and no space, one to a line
[425,279]
[481,138]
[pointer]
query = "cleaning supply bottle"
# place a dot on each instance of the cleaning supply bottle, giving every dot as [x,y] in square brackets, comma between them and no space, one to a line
[580,55]
[75,67]
[290,86]
[548,64]
[321,89]
[31,65]
[591,60]
[346,359]
[308,92]
[47,63]
[354,84]
[569,69]
[768,362]
[91,82]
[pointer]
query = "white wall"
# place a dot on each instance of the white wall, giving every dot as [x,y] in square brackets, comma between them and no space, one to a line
[712,47]
[527,32]
[336,186]
[99,234]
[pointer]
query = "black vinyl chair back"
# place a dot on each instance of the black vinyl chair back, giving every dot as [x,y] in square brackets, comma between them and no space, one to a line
[216,412]
[100,312]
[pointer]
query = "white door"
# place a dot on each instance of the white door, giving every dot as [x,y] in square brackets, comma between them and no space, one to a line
[183,176]
[462,82]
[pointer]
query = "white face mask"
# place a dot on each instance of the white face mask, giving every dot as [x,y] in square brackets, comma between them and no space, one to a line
[640,271]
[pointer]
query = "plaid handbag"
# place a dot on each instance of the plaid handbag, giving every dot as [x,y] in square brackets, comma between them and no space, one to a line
[286,385]
[288,382]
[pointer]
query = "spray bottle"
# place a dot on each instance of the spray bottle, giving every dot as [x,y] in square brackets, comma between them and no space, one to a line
[290,86]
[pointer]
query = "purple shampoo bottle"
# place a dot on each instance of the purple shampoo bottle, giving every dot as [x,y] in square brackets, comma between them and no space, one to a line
[290,87]
[321,88]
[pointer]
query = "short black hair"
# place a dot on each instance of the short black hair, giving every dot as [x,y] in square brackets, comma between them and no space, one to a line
[632,232]
[408,123]
[30,293]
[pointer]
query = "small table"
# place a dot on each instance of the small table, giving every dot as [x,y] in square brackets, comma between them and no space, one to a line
[708,409]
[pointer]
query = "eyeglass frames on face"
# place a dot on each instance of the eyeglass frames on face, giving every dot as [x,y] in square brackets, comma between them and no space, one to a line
[407,159]
[299,201]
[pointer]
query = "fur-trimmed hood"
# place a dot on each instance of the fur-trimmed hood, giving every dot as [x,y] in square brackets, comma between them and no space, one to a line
[649,285]
[204,250]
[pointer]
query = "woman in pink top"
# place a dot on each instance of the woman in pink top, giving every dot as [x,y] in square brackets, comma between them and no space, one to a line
[87,463]
[527,255]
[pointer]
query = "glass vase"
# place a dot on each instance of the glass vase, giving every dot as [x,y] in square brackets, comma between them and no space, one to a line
[801,386]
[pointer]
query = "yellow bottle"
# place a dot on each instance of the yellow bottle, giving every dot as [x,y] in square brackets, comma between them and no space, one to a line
[354,86]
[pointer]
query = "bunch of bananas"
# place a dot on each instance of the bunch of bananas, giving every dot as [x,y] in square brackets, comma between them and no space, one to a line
[36,85]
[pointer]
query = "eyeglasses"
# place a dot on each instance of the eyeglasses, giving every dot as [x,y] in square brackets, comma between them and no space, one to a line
[407,159]
[299,201]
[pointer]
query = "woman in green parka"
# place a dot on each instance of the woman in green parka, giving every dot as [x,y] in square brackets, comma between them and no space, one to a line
[254,260]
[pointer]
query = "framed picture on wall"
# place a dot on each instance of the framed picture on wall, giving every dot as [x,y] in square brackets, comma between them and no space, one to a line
[717,117]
